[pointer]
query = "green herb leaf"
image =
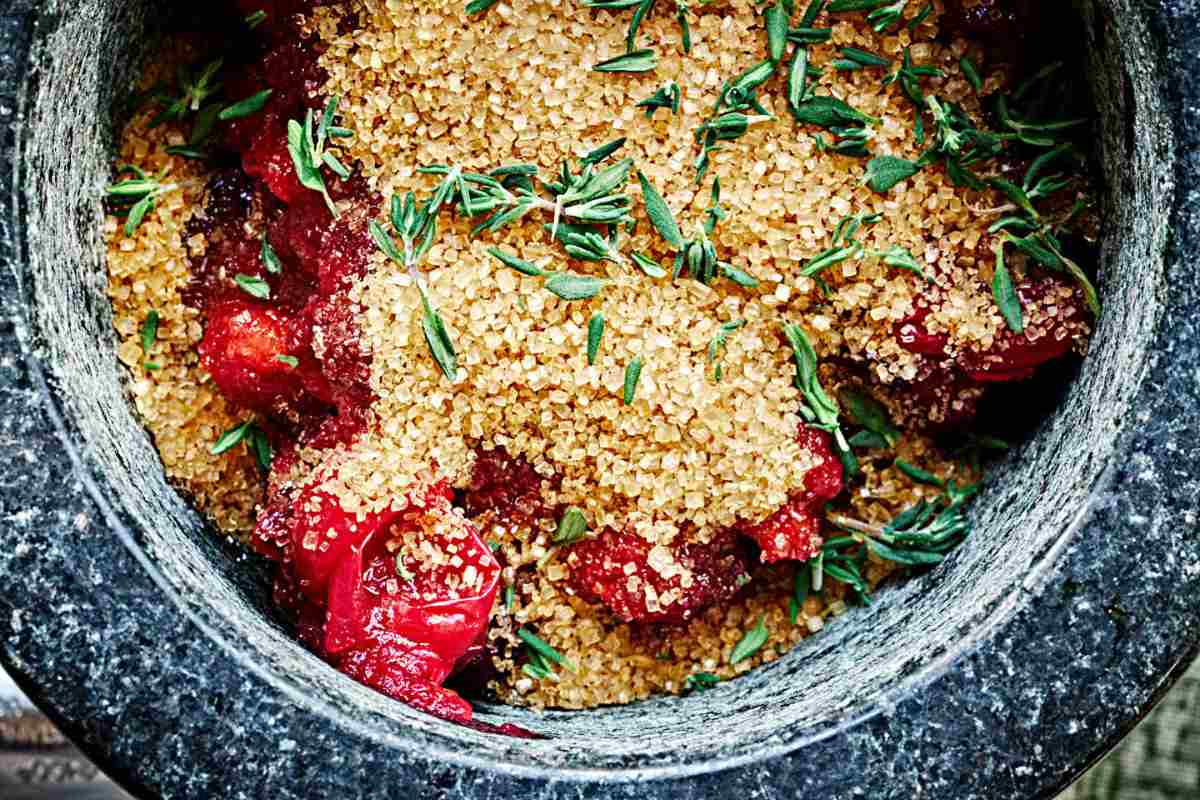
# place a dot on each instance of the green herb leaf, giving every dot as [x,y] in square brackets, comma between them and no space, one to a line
[231,438]
[738,276]
[479,6]
[633,373]
[829,112]
[570,286]
[652,268]
[572,527]
[438,339]
[660,213]
[306,170]
[291,361]
[269,257]
[797,79]
[602,152]
[149,331]
[751,643]
[884,172]
[801,586]
[776,19]
[819,408]
[811,13]
[635,61]
[256,19]
[1005,294]
[595,332]
[244,108]
[260,446]
[869,413]
[255,287]
[545,651]
[524,267]
[971,73]
[700,682]
[919,475]
[666,97]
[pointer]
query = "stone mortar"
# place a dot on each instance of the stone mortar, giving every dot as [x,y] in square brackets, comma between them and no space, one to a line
[1002,674]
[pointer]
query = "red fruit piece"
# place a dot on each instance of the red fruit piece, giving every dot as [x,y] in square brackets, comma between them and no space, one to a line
[407,602]
[428,580]
[1015,356]
[615,570]
[793,532]
[298,233]
[393,671]
[913,336]
[342,254]
[268,160]
[503,485]
[240,349]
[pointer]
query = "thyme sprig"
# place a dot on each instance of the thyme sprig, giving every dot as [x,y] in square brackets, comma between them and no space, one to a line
[716,346]
[883,13]
[667,96]
[193,87]
[590,196]
[698,254]
[255,439]
[416,226]
[136,196]
[307,144]
[920,536]
[818,409]
[846,247]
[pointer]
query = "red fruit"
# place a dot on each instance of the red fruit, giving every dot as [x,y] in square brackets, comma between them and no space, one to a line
[503,485]
[793,532]
[913,336]
[297,234]
[428,580]
[342,256]
[1015,356]
[268,160]
[715,572]
[407,602]
[344,364]
[240,349]
[394,671]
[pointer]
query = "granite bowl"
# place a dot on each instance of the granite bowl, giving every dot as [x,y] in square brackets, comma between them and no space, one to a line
[1004,673]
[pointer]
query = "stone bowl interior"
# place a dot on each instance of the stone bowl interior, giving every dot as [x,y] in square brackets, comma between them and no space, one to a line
[1032,506]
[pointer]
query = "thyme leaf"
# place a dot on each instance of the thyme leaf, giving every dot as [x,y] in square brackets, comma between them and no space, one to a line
[244,108]
[595,333]
[253,286]
[750,643]
[667,96]
[634,61]
[633,374]
[884,172]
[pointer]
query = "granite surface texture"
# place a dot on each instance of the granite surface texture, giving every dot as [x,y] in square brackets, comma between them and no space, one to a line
[1002,675]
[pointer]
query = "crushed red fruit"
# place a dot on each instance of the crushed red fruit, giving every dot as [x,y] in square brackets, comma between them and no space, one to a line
[616,570]
[793,532]
[504,486]
[401,619]
[951,382]
[243,343]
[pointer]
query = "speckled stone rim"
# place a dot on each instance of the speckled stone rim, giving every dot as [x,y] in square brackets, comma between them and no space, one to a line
[1003,674]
